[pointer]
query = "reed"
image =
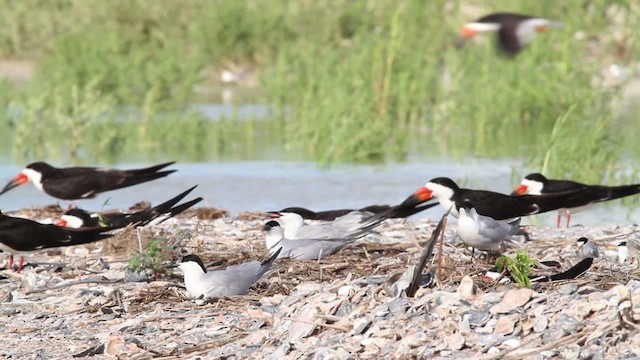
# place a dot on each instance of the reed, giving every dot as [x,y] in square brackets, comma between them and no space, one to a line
[358,81]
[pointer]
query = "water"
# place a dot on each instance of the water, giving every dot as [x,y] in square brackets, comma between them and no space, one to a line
[269,185]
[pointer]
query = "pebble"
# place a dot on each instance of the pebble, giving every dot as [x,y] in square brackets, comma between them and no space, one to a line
[511,300]
[346,315]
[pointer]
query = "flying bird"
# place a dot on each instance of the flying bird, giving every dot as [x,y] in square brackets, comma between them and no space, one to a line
[586,195]
[514,31]
[234,280]
[77,217]
[75,183]
[19,236]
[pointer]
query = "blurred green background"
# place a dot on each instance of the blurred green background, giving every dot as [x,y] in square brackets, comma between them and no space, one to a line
[330,81]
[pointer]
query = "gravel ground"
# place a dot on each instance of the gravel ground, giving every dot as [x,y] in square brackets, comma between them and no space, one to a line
[80,301]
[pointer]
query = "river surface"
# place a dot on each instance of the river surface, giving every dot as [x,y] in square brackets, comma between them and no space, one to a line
[268,185]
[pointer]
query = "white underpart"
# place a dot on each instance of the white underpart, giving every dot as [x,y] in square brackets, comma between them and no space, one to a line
[343,226]
[159,219]
[292,223]
[533,187]
[194,280]
[444,195]
[588,250]
[623,251]
[72,221]
[35,177]
[482,27]
[526,30]
[234,280]
[272,238]
[482,232]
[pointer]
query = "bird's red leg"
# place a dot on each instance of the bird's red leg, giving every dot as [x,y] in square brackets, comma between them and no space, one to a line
[20,263]
[568,217]
[559,218]
[10,261]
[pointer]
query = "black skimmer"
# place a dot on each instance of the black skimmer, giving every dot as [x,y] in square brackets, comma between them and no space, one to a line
[304,249]
[18,236]
[586,248]
[514,31]
[488,203]
[538,184]
[483,232]
[234,280]
[330,215]
[77,218]
[76,183]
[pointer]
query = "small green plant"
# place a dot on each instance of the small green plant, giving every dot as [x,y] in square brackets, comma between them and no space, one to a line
[155,253]
[519,267]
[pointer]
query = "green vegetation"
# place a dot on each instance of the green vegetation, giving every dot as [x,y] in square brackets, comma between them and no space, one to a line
[519,267]
[356,81]
[155,253]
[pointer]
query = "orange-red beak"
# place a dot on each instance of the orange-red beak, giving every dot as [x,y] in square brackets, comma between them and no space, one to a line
[423,194]
[468,33]
[61,222]
[17,181]
[542,29]
[520,190]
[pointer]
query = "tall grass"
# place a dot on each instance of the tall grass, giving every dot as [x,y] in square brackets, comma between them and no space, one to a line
[357,81]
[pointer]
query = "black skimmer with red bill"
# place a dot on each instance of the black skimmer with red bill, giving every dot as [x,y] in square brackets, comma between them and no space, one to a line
[330,215]
[538,184]
[74,183]
[488,203]
[19,236]
[77,218]
[514,31]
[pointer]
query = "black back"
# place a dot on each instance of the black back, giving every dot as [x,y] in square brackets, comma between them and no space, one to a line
[27,235]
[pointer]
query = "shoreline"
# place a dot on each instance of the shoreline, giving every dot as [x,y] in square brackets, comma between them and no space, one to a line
[338,307]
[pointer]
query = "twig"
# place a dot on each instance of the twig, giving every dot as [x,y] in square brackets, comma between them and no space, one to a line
[444,225]
[72,283]
[139,240]
[330,326]
[179,316]
[577,338]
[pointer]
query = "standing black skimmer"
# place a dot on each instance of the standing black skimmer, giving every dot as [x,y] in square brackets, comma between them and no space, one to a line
[537,184]
[488,203]
[483,232]
[76,183]
[19,236]
[77,218]
[234,280]
[514,31]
